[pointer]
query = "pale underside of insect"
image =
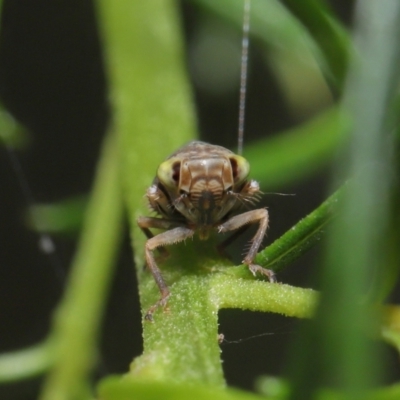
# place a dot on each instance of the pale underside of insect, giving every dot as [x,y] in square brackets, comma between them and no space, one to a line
[199,188]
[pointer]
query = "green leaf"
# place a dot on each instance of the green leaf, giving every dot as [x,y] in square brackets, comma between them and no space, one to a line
[301,237]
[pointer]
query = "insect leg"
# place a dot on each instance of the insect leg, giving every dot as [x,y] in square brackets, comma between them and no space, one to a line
[172,236]
[159,223]
[251,217]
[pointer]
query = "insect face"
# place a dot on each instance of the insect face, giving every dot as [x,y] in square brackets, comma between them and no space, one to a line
[203,183]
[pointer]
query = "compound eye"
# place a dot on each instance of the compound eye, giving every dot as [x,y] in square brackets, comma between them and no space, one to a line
[240,168]
[169,172]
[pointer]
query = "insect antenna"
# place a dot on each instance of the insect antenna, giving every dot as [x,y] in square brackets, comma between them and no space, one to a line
[243,74]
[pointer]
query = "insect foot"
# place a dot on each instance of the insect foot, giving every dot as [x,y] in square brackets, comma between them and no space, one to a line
[160,303]
[254,269]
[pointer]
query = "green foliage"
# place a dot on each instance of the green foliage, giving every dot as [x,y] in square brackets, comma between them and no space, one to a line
[152,115]
[114,388]
[11,134]
[64,217]
[305,234]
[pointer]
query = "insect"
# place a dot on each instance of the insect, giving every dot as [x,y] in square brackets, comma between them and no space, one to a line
[199,188]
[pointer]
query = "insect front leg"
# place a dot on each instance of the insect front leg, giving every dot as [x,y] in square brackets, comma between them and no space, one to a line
[251,217]
[174,235]
[157,223]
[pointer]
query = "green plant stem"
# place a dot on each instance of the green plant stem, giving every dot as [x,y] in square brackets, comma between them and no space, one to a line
[114,388]
[26,363]
[79,315]
[244,294]
[153,111]
[182,343]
